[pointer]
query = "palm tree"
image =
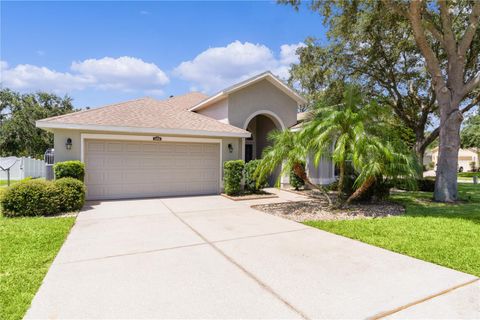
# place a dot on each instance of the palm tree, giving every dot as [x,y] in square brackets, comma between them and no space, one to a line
[357,132]
[377,159]
[288,152]
[337,127]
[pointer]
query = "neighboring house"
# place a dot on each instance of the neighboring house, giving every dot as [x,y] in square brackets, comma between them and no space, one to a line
[147,147]
[465,158]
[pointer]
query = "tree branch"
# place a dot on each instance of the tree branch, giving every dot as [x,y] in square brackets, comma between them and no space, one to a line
[433,65]
[471,30]
[430,26]
[450,41]
[471,104]
[431,137]
[471,85]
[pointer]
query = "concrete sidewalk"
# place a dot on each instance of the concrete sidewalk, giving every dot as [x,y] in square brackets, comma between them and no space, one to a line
[210,257]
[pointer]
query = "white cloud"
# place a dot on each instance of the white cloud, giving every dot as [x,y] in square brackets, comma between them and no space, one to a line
[3,64]
[124,73]
[219,67]
[30,77]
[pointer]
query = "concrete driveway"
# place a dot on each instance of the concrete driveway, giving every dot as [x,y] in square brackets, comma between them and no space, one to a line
[210,257]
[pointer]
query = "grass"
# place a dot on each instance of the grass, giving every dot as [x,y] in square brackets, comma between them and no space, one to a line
[4,183]
[28,247]
[468,174]
[445,234]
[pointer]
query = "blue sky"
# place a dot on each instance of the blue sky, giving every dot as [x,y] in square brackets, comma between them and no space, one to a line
[104,52]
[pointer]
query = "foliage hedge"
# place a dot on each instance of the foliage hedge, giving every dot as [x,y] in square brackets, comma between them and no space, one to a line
[42,198]
[31,198]
[71,193]
[232,176]
[425,184]
[69,169]
[295,181]
[251,183]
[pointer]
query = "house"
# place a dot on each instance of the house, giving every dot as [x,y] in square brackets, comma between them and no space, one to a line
[465,159]
[177,146]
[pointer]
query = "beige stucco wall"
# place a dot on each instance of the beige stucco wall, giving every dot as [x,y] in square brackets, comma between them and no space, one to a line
[62,154]
[465,157]
[261,96]
[218,111]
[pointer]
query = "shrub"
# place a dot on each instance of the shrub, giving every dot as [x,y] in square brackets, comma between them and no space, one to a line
[295,181]
[380,190]
[232,176]
[71,193]
[425,184]
[2,193]
[31,198]
[250,181]
[69,169]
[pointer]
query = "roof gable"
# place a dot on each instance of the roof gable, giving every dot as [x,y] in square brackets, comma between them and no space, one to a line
[251,81]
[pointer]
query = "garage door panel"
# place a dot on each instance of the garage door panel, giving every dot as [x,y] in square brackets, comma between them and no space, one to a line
[95,162]
[112,162]
[114,147]
[132,147]
[96,146]
[94,177]
[129,169]
[149,147]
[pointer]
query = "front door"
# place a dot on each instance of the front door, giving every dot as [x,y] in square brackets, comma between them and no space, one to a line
[248,152]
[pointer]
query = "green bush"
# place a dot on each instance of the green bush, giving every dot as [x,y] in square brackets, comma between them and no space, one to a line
[296,181]
[31,198]
[42,198]
[2,193]
[232,176]
[380,190]
[250,181]
[71,193]
[425,184]
[69,169]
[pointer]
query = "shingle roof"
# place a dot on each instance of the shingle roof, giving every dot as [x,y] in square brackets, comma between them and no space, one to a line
[170,114]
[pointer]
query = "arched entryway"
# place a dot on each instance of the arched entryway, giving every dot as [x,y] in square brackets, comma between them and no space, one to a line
[260,124]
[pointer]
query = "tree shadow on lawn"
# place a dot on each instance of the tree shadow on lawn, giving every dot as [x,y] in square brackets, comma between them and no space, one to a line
[421,204]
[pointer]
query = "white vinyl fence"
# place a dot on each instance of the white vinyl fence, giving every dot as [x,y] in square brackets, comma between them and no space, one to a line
[23,168]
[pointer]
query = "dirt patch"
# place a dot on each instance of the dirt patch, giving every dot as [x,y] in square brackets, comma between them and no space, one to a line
[317,209]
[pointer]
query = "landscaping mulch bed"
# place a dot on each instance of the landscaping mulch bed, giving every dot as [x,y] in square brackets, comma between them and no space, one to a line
[250,196]
[317,209]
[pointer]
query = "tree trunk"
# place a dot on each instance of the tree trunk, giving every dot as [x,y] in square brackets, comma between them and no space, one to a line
[299,170]
[341,178]
[420,153]
[447,165]
[361,190]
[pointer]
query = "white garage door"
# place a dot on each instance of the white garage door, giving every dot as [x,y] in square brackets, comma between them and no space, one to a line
[133,169]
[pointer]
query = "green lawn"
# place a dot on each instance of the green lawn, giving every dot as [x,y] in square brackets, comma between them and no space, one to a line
[444,234]
[468,174]
[4,183]
[28,247]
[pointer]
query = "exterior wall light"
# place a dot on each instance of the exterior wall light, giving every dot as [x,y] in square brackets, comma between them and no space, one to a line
[68,144]
[230,148]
